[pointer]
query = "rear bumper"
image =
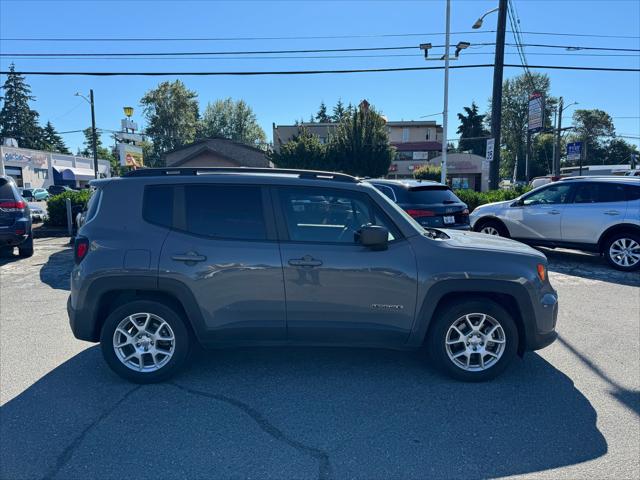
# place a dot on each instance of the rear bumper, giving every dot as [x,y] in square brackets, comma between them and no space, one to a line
[11,239]
[81,328]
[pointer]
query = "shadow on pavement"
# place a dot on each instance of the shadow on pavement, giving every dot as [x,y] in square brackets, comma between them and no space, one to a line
[56,272]
[588,266]
[296,412]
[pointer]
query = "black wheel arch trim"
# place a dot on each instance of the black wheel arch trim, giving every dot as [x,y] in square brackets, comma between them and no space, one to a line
[494,289]
[489,218]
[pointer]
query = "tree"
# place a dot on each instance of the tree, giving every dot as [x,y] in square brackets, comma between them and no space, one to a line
[471,131]
[360,144]
[595,129]
[428,172]
[322,115]
[171,112]
[303,151]
[103,152]
[339,111]
[52,141]
[515,109]
[17,119]
[619,151]
[233,120]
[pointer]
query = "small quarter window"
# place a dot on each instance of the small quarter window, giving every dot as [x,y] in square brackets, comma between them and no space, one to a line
[157,206]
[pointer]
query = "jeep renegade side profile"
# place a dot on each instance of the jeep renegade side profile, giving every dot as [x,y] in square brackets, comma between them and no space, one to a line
[169,257]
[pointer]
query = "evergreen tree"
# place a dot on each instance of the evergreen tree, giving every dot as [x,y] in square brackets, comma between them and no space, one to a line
[472,127]
[302,151]
[17,119]
[52,141]
[103,152]
[339,111]
[322,115]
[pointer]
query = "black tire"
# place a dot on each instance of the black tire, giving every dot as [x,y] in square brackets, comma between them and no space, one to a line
[181,344]
[445,317]
[495,224]
[25,249]
[606,250]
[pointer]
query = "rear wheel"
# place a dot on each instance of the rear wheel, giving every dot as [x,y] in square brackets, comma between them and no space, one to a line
[492,227]
[473,341]
[145,341]
[622,251]
[25,249]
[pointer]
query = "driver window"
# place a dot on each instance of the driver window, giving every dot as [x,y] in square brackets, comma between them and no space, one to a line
[551,195]
[327,216]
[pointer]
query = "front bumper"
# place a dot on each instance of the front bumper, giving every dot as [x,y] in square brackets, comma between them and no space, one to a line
[546,317]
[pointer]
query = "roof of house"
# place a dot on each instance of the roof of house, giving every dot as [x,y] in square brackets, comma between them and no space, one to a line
[208,140]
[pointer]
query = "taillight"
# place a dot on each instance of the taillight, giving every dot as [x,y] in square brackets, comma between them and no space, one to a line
[542,272]
[13,206]
[80,248]
[416,213]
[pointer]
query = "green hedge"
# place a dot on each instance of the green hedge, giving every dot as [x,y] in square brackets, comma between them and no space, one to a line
[473,199]
[58,211]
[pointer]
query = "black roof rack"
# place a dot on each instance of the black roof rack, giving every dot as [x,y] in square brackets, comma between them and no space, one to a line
[179,171]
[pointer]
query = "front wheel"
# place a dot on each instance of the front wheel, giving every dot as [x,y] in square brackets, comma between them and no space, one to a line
[492,227]
[145,341]
[622,251]
[473,341]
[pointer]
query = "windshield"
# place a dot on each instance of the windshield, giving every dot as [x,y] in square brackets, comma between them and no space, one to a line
[432,195]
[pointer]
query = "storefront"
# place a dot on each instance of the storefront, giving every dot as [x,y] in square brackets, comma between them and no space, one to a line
[39,169]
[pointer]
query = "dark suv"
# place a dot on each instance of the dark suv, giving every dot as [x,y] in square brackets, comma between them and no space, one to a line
[170,257]
[15,220]
[432,204]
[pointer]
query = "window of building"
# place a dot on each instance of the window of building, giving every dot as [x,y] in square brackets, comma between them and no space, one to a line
[428,135]
[328,216]
[41,173]
[225,211]
[405,134]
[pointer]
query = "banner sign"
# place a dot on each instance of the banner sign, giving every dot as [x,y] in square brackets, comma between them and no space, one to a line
[490,145]
[130,155]
[536,112]
[574,151]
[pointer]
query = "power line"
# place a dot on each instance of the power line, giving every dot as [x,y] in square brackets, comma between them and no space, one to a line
[314,72]
[518,44]
[305,37]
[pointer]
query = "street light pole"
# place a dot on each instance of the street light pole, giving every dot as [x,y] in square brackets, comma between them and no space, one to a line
[445,112]
[94,135]
[556,156]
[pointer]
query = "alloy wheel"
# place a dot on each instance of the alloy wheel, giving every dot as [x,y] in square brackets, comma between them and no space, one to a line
[144,342]
[625,252]
[475,342]
[489,230]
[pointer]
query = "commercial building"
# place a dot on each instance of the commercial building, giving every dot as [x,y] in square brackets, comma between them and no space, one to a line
[216,152]
[39,169]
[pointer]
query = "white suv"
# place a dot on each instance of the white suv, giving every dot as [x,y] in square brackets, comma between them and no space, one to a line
[600,214]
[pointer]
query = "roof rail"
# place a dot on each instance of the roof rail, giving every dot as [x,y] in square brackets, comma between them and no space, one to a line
[180,171]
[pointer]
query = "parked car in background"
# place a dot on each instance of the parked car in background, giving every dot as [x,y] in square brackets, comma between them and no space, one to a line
[269,256]
[539,181]
[26,193]
[633,173]
[38,213]
[431,204]
[598,214]
[36,194]
[58,189]
[15,220]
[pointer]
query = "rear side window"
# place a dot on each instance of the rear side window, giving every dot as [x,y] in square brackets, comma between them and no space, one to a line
[431,195]
[225,211]
[157,206]
[599,193]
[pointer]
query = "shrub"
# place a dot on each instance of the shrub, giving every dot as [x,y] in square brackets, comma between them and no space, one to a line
[58,210]
[428,172]
[473,199]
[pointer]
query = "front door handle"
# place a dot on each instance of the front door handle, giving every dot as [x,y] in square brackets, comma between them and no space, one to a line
[612,212]
[189,257]
[554,212]
[306,261]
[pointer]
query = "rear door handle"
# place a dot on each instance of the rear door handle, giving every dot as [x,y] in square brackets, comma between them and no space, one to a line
[554,212]
[189,257]
[612,212]
[306,261]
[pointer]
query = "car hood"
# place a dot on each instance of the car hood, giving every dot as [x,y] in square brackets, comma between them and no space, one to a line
[482,241]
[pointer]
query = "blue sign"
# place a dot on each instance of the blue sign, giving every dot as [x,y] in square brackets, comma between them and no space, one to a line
[574,151]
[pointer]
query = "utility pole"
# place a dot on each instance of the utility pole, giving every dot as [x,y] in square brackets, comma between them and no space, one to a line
[445,112]
[556,156]
[496,97]
[94,135]
[527,156]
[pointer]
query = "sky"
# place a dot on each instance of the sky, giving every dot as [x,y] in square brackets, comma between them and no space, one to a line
[412,95]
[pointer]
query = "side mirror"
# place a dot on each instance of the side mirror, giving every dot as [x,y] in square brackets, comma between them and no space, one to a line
[518,203]
[373,236]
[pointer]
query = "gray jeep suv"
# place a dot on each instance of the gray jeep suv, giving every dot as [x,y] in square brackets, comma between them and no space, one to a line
[170,257]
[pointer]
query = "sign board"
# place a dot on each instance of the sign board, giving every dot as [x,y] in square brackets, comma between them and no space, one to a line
[536,112]
[130,155]
[490,144]
[574,151]
[128,137]
[127,124]
[420,155]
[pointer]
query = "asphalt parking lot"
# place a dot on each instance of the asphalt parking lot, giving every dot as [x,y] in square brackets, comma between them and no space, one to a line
[571,410]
